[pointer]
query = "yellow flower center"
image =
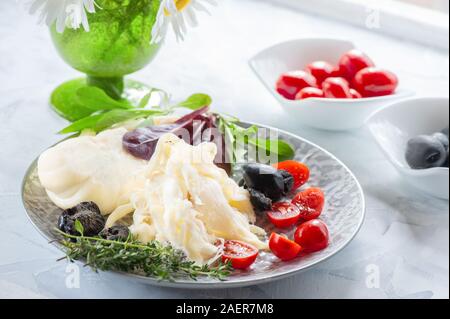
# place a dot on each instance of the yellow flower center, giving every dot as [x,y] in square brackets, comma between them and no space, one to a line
[180,4]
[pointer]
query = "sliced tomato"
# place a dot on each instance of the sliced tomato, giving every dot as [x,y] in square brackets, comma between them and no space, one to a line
[240,254]
[284,248]
[284,215]
[312,236]
[310,202]
[299,171]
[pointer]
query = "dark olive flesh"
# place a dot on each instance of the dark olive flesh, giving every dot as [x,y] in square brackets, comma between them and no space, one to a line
[265,179]
[88,214]
[259,201]
[117,233]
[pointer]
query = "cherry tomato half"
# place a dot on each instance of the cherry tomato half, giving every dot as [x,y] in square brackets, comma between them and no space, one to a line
[336,88]
[240,254]
[309,92]
[310,202]
[284,214]
[290,83]
[372,82]
[355,94]
[298,170]
[321,70]
[352,62]
[284,248]
[312,236]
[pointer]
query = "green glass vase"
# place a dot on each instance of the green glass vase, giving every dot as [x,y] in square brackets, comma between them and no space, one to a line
[118,43]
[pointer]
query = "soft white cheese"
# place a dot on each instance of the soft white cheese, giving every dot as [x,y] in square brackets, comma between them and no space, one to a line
[91,168]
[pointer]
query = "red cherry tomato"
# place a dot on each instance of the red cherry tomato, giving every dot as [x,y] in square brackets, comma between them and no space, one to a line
[310,202]
[312,236]
[372,82]
[284,215]
[240,254]
[299,171]
[352,62]
[355,94]
[284,248]
[309,92]
[290,83]
[336,88]
[321,70]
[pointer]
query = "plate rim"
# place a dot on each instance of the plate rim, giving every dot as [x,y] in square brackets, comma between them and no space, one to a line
[191,284]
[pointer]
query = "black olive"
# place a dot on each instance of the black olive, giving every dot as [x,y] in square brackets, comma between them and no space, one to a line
[118,233]
[259,201]
[265,179]
[425,152]
[88,214]
[288,181]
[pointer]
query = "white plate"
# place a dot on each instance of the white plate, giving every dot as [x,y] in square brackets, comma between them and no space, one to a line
[344,214]
[393,126]
[326,114]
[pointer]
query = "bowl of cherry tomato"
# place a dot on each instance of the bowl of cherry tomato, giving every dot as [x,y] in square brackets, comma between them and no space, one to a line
[326,83]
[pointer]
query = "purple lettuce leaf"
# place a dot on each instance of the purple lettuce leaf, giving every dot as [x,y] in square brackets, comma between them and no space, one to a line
[141,143]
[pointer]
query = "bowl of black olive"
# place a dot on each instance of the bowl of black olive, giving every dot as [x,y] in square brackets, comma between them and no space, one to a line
[414,135]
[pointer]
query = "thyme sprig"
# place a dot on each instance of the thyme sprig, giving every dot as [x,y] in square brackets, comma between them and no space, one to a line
[153,259]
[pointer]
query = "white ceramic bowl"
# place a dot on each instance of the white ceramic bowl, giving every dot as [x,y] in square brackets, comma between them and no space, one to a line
[327,114]
[393,126]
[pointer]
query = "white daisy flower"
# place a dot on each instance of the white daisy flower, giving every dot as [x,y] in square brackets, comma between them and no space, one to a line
[178,13]
[66,13]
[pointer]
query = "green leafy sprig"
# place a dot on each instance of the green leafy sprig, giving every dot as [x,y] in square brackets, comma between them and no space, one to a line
[153,259]
[107,112]
[241,139]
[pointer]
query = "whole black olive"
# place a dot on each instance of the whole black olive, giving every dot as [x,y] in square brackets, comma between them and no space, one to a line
[266,179]
[288,181]
[425,152]
[118,233]
[88,214]
[259,201]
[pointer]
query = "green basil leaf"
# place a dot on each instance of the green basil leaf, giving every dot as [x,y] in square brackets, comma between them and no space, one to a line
[144,101]
[283,150]
[119,116]
[83,124]
[96,99]
[196,101]
[103,121]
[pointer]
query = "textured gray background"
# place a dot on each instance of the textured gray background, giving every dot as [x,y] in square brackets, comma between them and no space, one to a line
[406,235]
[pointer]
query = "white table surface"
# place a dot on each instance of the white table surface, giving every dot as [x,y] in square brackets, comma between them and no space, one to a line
[405,235]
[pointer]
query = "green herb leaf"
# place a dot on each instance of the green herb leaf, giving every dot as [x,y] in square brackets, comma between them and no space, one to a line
[240,138]
[97,100]
[79,227]
[144,101]
[280,148]
[83,124]
[103,121]
[196,101]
